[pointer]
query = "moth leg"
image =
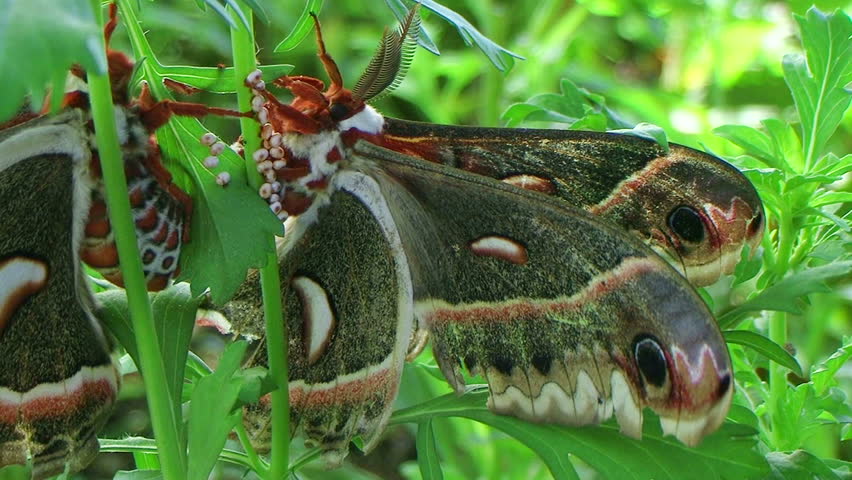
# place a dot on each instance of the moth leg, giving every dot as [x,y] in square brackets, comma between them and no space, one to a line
[306,93]
[282,82]
[155,114]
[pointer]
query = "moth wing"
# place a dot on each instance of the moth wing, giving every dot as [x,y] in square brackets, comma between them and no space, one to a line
[57,379]
[348,304]
[693,208]
[568,318]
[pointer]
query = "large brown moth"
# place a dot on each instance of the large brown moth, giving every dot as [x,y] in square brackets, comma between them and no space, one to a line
[58,382]
[568,317]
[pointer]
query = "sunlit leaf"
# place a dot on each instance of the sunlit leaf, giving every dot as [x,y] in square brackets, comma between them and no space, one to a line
[824,373]
[818,84]
[648,132]
[786,294]
[304,26]
[502,58]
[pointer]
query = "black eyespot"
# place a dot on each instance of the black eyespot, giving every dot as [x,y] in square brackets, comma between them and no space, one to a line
[338,111]
[651,360]
[686,223]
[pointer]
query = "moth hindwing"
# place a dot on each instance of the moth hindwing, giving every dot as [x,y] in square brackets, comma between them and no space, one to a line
[570,318]
[58,383]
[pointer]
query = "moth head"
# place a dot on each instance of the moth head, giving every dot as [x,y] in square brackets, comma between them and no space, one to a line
[315,108]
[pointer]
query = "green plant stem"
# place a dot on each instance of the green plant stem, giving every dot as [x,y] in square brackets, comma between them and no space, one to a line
[777,375]
[242,42]
[257,464]
[778,328]
[164,415]
[786,239]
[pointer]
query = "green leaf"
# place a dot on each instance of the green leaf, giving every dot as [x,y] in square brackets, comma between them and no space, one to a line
[801,465]
[576,107]
[832,166]
[138,475]
[174,318]
[727,453]
[818,84]
[797,181]
[785,142]
[748,267]
[499,56]
[303,26]
[743,415]
[39,41]
[647,131]
[831,198]
[149,446]
[212,414]
[219,6]
[765,347]
[400,10]
[214,79]
[823,375]
[427,452]
[232,227]
[755,143]
[785,295]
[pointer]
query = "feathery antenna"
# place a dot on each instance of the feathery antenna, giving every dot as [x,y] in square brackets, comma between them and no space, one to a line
[391,60]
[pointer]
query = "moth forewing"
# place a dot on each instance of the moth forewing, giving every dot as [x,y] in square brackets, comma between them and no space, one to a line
[694,208]
[57,379]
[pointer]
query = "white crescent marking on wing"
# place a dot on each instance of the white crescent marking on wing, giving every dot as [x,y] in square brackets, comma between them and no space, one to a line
[318,317]
[20,277]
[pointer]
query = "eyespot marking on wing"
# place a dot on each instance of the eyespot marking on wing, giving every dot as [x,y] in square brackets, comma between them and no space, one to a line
[20,277]
[500,247]
[318,317]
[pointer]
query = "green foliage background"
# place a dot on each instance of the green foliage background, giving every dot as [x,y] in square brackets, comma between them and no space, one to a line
[726,76]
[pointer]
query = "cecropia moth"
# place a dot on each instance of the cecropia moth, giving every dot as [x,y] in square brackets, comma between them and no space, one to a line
[523,254]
